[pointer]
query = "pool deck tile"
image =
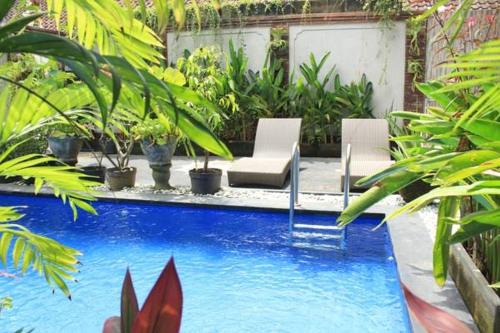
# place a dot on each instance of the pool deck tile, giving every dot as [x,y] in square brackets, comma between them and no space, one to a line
[316,174]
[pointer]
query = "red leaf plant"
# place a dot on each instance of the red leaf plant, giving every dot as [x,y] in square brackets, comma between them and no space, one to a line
[162,311]
[433,319]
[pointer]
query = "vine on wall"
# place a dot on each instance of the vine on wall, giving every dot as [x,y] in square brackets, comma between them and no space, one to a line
[211,14]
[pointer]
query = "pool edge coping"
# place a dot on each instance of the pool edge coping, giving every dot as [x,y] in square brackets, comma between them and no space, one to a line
[405,232]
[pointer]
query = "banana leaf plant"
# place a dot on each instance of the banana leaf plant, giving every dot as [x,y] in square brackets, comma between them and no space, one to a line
[160,313]
[354,99]
[320,112]
[459,155]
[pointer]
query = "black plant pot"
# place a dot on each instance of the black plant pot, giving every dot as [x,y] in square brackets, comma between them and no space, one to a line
[414,190]
[118,179]
[66,148]
[5,180]
[95,173]
[205,182]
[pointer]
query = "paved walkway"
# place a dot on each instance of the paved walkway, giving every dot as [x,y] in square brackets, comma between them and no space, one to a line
[316,174]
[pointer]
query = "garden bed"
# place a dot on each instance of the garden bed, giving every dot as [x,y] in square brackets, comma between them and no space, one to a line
[482,301]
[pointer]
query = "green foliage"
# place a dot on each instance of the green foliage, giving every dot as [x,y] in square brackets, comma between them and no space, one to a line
[354,99]
[270,85]
[5,303]
[48,257]
[36,86]
[386,9]
[26,249]
[204,73]
[244,84]
[318,97]
[210,14]
[109,27]
[318,101]
[154,131]
[169,74]
[456,150]
[33,143]
[60,130]
[323,101]
[29,104]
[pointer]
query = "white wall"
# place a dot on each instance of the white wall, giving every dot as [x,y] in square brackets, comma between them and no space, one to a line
[357,48]
[254,41]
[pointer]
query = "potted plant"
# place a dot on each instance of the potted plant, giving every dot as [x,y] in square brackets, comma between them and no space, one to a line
[204,74]
[158,139]
[121,175]
[65,143]
[96,171]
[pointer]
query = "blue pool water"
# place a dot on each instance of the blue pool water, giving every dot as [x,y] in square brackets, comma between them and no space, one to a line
[238,270]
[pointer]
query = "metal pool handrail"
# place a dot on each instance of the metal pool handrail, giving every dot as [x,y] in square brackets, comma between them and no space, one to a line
[347,175]
[294,183]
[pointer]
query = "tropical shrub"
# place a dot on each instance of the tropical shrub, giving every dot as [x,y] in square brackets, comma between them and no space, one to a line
[317,97]
[323,101]
[34,143]
[245,85]
[270,85]
[154,131]
[318,107]
[204,73]
[458,152]
[62,129]
[354,100]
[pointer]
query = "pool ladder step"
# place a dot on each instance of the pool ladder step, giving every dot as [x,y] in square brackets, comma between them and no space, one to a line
[318,236]
[317,230]
[315,236]
[317,227]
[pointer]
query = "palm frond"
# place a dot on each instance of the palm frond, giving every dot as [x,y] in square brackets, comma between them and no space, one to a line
[111,28]
[46,256]
[62,179]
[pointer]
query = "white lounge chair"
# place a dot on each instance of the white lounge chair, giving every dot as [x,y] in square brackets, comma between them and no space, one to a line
[271,155]
[369,140]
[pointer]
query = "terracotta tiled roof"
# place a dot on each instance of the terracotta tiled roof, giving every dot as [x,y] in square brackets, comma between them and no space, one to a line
[422,5]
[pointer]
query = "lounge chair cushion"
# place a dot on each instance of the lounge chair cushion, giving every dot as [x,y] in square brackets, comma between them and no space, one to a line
[360,169]
[369,140]
[260,171]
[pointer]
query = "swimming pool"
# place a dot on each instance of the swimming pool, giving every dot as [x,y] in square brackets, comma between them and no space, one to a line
[238,268]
